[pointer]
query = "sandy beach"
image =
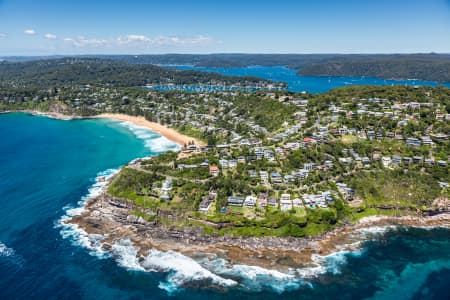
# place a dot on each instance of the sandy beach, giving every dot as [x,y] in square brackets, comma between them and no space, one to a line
[169,133]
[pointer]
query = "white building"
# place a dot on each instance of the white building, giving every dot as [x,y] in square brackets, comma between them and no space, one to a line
[250,201]
[285,202]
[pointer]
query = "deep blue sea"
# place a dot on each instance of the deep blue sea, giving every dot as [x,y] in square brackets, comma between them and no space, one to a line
[300,83]
[48,166]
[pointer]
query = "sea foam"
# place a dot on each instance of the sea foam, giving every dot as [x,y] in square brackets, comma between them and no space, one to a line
[154,141]
[254,278]
[182,271]
[73,232]
[6,251]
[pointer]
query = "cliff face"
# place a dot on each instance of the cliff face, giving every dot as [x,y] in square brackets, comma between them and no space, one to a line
[113,219]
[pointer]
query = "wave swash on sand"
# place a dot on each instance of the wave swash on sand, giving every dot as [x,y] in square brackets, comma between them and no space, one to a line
[209,270]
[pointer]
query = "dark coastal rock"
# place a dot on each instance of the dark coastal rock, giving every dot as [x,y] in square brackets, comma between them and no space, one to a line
[136,220]
[114,217]
[121,203]
[106,247]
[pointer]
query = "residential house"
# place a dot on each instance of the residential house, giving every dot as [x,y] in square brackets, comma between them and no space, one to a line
[442,163]
[276,178]
[272,201]
[235,201]
[309,166]
[232,163]
[413,142]
[297,202]
[264,175]
[396,159]
[386,160]
[252,174]
[417,159]
[262,200]
[224,163]
[167,185]
[206,202]
[285,202]
[250,201]
[429,161]
[214,170]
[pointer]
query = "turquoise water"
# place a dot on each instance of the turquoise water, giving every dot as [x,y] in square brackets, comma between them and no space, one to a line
[48,166]
[300,83]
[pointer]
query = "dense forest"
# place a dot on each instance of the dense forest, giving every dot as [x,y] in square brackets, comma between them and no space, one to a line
[433,67]
[58,72]
[424,67]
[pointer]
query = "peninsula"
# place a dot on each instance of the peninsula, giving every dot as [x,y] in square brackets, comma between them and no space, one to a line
[262,174]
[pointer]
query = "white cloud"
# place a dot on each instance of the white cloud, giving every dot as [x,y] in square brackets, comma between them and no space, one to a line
[3,35]
[165,40]
[183,41]
[141,42]
[50,36]
[81,41]
[29,32]
[123,40]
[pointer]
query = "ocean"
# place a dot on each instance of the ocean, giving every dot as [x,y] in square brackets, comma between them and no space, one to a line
[49,168]
[300,83]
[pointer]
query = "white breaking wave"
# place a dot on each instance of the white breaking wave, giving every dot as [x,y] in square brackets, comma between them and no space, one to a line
[126,255]
[77,235]
[182,270]
[254,278]
[161,144]
[6,251]
[375,230]
[154,141]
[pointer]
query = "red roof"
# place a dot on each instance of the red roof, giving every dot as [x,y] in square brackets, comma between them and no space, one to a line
[309,140]
[213,168]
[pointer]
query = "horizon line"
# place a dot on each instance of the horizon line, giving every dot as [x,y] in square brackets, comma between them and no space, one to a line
[230,53]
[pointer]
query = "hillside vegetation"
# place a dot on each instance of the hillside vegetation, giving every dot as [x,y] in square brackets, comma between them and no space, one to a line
[60,72]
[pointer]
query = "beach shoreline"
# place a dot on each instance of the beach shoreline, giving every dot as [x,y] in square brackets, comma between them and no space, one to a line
[167,132]
[113,219]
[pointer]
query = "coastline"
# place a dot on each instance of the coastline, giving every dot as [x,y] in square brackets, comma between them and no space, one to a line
[51,115]
[167,132]
[111,221]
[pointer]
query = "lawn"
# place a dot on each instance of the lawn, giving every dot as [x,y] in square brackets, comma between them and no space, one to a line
[349,139]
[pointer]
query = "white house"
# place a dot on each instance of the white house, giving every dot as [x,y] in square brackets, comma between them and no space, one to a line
[285,202]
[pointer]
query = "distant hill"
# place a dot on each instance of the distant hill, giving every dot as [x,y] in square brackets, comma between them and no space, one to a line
[294,61]
[56,72]
[432,67]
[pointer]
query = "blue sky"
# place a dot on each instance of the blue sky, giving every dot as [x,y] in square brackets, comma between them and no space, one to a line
[45,27]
